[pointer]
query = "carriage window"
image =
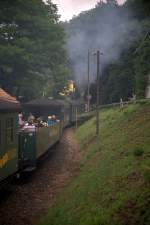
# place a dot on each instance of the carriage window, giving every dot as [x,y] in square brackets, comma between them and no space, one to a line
[9,130]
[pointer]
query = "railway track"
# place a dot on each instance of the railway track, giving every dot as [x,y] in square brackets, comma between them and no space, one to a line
[31,198]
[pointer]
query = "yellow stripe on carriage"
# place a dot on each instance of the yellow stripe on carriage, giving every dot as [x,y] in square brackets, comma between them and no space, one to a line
[7,157]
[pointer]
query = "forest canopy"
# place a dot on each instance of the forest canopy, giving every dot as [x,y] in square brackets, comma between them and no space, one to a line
[32,53]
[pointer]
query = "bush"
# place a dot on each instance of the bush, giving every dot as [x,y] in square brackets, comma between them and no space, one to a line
[143,102]
[138,152]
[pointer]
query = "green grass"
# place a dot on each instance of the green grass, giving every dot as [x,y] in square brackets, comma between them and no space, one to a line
[113,187]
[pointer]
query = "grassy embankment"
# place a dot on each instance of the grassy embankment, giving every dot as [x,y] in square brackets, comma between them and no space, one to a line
[113,186]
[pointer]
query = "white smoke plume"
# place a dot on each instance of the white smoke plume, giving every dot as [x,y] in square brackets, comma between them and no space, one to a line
[109,32]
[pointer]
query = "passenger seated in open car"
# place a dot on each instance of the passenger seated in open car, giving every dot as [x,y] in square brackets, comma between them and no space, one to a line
[31,118]
[39,122]
[51,120]
[54,119]
[21,122]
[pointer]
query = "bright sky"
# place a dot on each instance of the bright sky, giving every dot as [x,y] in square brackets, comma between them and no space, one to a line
[68,8]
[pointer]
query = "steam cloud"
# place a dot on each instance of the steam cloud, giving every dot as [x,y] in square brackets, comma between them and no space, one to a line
[109,32]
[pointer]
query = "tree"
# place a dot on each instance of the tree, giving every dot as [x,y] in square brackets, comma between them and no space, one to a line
[112,2]
[141,8]
[142,67]
[31,46]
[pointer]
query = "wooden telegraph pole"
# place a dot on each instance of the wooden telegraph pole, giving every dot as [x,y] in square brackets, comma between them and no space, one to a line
[88,90]
[98,91]
[97,94]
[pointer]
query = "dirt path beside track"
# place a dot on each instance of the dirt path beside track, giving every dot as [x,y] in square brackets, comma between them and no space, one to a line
[36,193]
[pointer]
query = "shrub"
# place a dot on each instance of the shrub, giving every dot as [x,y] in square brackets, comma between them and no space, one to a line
[138,152]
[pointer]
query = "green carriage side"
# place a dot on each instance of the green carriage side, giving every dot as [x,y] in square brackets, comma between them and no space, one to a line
[9,108]
[47,137]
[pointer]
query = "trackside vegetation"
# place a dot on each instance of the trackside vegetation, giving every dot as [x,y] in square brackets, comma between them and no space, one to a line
[113,185]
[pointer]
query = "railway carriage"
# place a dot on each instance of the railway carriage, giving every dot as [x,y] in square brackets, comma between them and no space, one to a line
[34,144]
[9,108]
[77,107]
[47,106]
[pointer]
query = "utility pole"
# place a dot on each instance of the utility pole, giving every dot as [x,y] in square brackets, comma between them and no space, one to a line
[88,90]
[98,53]
[97,93]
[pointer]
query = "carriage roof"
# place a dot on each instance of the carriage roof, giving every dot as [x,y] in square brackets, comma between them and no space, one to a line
[8,102]
[46,102]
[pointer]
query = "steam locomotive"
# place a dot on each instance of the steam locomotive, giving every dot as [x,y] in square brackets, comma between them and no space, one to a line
[21,148]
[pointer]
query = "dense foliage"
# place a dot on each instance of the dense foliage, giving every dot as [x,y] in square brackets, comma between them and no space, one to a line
[32,55]
[122,33]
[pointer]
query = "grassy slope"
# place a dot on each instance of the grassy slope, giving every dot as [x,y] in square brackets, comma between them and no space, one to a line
[113,186]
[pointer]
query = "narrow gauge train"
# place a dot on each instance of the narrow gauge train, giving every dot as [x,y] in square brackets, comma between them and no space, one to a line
[20,150]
